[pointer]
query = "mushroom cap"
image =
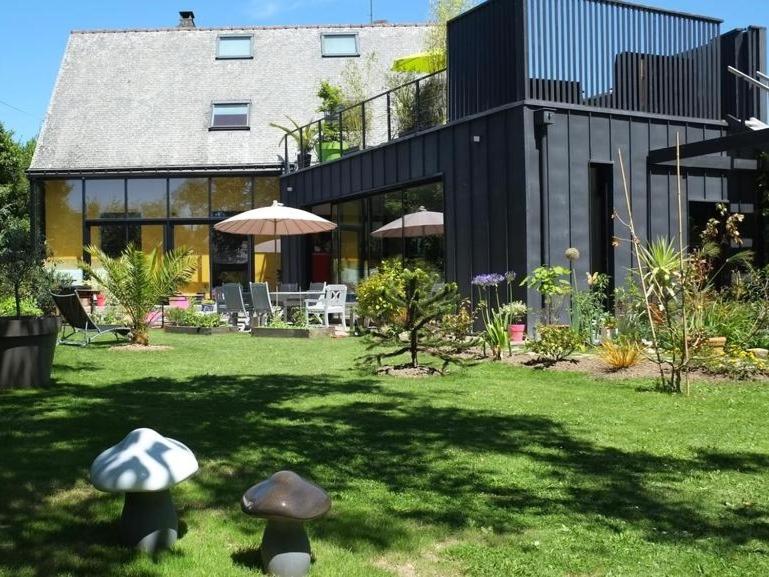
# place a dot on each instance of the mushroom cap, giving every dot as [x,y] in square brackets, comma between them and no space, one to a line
[286,495]
[143,462]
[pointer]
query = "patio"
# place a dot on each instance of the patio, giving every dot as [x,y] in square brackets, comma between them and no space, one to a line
[491,471]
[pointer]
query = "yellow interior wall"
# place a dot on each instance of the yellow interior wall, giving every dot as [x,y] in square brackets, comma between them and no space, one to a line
[195,237]
[152,237]
[63,222]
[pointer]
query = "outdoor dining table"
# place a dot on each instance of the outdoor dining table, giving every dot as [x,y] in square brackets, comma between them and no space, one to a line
[301,296]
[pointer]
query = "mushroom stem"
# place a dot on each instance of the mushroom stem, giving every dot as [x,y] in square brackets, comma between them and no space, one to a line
[149,522]
[285,548]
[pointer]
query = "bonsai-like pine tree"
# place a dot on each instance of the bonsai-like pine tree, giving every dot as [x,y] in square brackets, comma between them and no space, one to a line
[416,328]
[138,281]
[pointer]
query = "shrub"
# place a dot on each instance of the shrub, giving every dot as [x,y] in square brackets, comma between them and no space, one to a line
[191,318]
[555,343]
[458,326]
[28,307]
[553,284]
[739,365]
[621,354]
[371,293]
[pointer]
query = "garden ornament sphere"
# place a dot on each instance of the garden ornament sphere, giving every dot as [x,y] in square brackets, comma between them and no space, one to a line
[144,466]
[286,501]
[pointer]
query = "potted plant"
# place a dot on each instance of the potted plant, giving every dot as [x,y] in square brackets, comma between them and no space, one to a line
[552,282]
[609,330]
[330,142]
[516,312]
[27,335]
[305,138]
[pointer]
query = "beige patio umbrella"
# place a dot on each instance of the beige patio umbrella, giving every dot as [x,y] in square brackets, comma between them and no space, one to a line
[423,222]
[267,247]
[275,220]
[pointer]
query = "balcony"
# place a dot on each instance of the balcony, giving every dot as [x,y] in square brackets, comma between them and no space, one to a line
[407,109]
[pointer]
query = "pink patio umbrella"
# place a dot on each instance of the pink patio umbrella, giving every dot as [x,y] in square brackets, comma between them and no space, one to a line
[275,220]
[423,222]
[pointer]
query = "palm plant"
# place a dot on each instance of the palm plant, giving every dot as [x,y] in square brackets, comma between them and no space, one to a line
[138,281]
[304,136]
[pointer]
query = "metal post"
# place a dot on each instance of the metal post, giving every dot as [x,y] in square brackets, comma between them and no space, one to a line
[285,156]
[341,135]
[301,148]
[389,124]
[418,108]
[363,125]
[320,142]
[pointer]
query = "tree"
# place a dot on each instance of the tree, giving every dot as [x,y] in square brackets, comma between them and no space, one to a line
[416,328]
[138,281]
[441,11]
[19,260]
[15,158]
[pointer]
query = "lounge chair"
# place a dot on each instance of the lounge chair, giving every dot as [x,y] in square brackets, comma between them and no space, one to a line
[79,321]
[234,305]
[260,300]
[332,301]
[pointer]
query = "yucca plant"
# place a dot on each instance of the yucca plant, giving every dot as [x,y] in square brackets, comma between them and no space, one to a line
[139,280]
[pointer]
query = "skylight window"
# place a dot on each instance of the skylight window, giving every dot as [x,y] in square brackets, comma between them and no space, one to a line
[229,116]
[339,44]
[232,47]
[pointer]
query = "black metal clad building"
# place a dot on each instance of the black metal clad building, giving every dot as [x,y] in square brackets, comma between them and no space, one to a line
[542,95]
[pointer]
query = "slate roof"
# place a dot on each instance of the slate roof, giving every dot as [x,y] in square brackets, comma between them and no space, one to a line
[142,98]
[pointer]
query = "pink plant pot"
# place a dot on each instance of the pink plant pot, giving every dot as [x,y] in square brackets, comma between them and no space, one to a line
[516,333]
[101,299]
[178,302]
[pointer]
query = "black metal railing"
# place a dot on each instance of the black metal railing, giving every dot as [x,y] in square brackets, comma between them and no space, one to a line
[619,55]
[406,109]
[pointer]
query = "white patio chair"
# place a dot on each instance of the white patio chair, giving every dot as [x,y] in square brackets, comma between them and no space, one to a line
[331,302]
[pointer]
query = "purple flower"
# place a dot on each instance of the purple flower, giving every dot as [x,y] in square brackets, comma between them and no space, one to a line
[489,279]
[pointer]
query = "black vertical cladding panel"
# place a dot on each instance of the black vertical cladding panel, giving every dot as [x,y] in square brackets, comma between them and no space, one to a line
[639,148]
[479,186]
[453,220]
[317,180]
[345,168]
[695,179]
[658,189]
[477,81]
[620,140]
[430,152]
[500,191]
[463,202]
[404,160]
[600,139]
[356,164]
[532,196]
[367,171]
[579,189]
[517,163]
[416,162]
[558,185]
[378,167]
[326,180]
[391,164]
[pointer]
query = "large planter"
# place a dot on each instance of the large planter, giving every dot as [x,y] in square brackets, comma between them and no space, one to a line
[716,345]
[198,330]
[26,351]
[516,333]
[329,150]
[292,333]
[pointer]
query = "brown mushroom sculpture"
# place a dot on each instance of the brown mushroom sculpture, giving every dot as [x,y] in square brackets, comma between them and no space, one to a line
[144,466]
[286,501]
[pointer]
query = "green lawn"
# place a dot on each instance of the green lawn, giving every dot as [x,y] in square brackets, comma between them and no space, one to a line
[490,471]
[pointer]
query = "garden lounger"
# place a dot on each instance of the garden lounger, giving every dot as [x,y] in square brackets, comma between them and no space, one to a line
[79,321]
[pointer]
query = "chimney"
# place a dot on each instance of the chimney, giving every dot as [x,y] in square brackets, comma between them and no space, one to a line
[186,19]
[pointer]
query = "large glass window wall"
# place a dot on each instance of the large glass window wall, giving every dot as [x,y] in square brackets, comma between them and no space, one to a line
[160,213]
[355,250]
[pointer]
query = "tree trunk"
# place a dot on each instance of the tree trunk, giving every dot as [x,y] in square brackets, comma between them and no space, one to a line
[17,297]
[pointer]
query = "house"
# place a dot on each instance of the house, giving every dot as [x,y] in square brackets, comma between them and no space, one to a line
[542,95]
[152,136]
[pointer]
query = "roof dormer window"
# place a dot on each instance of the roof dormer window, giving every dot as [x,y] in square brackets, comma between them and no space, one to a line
[233,47]
[339,44]
[230,116]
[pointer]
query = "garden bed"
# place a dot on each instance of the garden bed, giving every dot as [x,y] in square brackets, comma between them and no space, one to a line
[293,333]
[198,330]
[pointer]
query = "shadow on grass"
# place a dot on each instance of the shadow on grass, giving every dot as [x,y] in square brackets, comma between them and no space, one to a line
[423,462]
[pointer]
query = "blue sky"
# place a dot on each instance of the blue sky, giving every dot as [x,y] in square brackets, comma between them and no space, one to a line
[28,66]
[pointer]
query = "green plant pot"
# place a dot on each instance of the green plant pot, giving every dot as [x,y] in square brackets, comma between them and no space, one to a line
[329,150]
[26,351]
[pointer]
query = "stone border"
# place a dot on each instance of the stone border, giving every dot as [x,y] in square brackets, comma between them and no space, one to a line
[293,333]
[198,330]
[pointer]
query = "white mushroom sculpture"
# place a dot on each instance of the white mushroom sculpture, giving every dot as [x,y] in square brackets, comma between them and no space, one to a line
[144,466]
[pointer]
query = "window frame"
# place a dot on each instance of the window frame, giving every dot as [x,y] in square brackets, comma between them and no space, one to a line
[249,56]
[214,104]
[324,35]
